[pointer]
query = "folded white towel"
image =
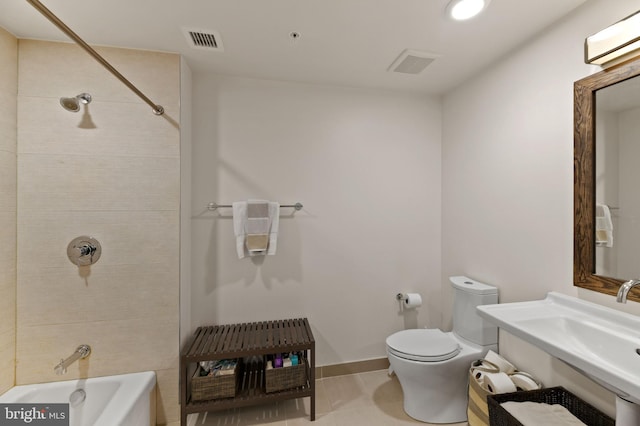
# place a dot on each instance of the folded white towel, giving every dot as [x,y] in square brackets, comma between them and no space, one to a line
[604,226]
[534,413]
[239,225]
[257,226]
[274,215]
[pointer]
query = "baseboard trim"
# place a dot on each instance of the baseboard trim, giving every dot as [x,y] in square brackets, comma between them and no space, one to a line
[352,367]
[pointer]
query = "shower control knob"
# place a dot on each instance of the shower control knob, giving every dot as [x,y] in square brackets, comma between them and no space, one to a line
[87,250]
[84,251]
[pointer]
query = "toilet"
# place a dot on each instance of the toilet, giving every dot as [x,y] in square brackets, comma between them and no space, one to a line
[432,366]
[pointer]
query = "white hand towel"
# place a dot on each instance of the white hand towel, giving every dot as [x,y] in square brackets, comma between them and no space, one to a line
[274,215]
[257,227]
[242,225]
[604,226]
[534,413]
[239,225]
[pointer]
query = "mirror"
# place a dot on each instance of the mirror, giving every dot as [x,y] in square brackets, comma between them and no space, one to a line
[617,128]
[586,274]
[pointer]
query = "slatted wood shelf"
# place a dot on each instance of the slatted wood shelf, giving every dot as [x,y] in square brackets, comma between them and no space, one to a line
[242,341]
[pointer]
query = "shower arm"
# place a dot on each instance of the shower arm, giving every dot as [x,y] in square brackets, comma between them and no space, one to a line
[157,109]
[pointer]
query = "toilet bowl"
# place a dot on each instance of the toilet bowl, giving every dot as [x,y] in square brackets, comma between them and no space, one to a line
[432,366]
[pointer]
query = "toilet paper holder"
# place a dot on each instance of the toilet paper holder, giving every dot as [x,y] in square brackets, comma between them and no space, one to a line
[409,300]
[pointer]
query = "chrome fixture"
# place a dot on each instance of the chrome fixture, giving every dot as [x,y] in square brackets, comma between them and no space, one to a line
[81,352]
[73,104]
[614,44]
[157,109]
[624,290]
[215,206]
[84,251]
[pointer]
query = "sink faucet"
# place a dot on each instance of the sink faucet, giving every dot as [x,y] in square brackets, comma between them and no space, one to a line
[81,352]
[624,290]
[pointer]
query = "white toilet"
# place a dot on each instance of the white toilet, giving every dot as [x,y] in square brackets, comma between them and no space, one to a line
[432,366]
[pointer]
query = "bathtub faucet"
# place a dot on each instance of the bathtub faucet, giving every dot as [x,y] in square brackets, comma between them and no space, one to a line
[81,352]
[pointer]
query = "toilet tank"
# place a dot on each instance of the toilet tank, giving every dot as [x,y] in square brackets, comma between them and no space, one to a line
[467,295]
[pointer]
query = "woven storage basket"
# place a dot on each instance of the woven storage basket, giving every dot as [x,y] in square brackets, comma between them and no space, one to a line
[214,387]
[585,412]
[277,379]
[477,410]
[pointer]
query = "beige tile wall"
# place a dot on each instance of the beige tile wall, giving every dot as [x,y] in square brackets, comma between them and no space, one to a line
[8,136]
[118,182]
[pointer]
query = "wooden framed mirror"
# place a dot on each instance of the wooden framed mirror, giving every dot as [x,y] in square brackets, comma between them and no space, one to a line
[584,166]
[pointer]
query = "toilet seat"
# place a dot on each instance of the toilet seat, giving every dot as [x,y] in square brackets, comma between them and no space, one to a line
[425,345]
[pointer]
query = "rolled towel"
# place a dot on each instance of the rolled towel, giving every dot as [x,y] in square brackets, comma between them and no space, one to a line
[495,383]
[524,381]
[504,365]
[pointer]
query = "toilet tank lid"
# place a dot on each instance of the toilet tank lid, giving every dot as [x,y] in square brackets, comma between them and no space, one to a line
[472,286]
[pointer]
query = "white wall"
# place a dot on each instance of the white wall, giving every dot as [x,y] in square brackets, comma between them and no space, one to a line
[366,166]
[508,178]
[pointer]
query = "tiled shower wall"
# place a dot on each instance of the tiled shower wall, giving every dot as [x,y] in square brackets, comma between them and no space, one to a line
[111,171]
[8,92]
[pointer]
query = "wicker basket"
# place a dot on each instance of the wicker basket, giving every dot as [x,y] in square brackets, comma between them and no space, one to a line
[277,379]
[585,412]
[214,387]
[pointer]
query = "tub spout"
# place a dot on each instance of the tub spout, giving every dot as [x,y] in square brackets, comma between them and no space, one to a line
[81,352]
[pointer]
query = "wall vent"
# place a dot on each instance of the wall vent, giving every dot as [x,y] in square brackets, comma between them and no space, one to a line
[412,61]
[203,39]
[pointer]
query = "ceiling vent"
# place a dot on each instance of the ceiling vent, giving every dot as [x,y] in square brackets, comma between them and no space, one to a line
[203,39]
[412,61]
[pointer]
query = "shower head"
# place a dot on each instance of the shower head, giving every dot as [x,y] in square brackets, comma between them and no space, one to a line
[73,104]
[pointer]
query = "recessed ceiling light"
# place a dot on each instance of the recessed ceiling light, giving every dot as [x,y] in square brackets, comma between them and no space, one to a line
[461,10]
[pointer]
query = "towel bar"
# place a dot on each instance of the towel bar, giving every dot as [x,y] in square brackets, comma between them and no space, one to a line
[215,206]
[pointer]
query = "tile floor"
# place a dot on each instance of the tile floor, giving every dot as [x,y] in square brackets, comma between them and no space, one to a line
[365,399]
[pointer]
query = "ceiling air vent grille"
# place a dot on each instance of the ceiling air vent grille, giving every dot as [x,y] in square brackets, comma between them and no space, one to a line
[412,61]
[203,39]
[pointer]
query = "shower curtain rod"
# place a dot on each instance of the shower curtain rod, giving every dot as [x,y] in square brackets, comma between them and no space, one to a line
[157,109]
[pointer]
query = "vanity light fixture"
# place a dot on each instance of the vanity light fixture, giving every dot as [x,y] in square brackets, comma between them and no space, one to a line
[461,10]
[615,43]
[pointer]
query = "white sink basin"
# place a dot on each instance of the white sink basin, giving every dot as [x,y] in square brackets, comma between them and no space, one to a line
[604,344]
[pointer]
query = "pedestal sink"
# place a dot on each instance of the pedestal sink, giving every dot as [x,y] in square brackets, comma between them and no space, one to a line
[602,343]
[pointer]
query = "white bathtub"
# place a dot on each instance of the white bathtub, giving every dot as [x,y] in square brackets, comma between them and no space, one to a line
[123,400]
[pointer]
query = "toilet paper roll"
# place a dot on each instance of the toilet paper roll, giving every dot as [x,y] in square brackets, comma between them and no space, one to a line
[412,300]
[498,383]
[504,365]
[523,381]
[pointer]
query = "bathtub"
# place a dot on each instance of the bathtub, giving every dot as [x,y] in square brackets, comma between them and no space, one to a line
[123,400]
